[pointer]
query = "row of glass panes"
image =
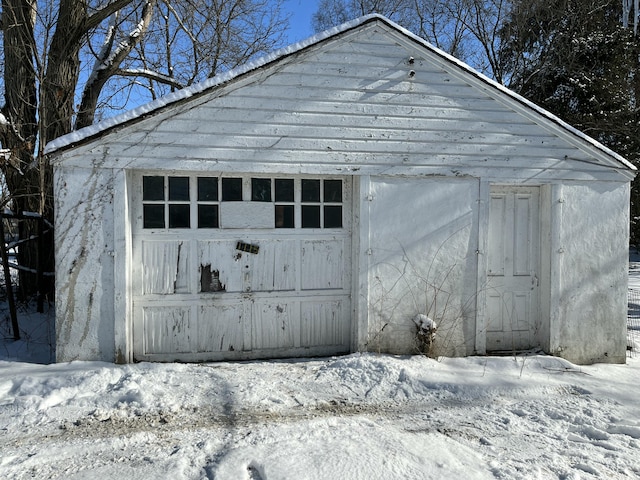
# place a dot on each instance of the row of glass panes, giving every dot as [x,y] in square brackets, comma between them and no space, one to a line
[262,189]
[158,190]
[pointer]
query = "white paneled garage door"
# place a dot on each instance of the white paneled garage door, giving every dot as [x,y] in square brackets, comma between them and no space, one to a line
[231,267]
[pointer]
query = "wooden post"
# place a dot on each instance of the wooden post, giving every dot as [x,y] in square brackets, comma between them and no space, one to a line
[7,279]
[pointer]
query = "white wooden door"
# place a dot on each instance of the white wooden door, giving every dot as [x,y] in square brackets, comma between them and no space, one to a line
[263,273]
[513,268]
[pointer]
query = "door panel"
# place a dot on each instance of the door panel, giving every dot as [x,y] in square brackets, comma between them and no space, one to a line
[513,262]
[274,268]
[274,325]
[221,257]
[497,222]
[322,262]
[168,329]
[321,323]
[221,328]
[165,267]
[525,216]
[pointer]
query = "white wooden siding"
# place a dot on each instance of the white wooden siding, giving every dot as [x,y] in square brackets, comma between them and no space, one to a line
[351,103]
[274,269]
[221,256]
[274,325]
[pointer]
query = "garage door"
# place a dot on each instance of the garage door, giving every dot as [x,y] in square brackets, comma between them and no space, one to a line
[240,267]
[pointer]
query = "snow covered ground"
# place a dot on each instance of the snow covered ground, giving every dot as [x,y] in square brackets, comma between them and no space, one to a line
[355,417]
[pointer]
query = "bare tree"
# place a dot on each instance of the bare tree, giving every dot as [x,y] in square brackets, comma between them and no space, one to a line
[443,24]
[335,12]
[483,20]
[67,62]
[467,29]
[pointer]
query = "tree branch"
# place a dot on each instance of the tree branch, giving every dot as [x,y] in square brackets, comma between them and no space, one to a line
[107,66]
[151,75]
[99,16]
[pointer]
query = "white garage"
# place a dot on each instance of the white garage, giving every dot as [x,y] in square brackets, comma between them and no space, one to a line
[316,201]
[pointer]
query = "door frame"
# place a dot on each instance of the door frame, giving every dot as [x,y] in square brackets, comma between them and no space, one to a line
[544,261]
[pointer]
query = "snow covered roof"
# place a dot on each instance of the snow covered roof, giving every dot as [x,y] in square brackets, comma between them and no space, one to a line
[86,134]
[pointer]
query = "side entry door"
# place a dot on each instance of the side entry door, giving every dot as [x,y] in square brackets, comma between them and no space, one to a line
[512,309]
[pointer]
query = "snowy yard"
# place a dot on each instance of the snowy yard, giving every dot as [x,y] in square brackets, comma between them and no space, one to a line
[355,417]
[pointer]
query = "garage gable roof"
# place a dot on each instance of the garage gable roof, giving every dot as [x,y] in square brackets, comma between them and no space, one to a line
[519,103]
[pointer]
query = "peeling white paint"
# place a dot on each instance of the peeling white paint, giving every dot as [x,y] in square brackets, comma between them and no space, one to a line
[165,267]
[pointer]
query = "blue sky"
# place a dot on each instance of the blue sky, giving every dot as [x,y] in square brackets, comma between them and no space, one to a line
[300,23]
[299,29]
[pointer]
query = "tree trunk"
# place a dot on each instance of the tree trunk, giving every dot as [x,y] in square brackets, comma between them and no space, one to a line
[63,69]
[29,181]
[36,118]
[21,175]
